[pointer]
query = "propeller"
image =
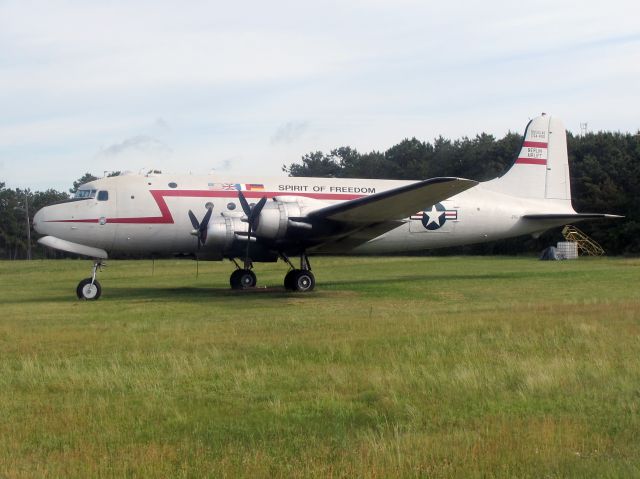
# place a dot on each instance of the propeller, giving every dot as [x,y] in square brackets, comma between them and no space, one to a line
[200,228]
[253,215]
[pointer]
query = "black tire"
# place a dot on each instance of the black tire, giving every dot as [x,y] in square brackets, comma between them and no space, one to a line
[289,279]
[87,291]
[304,281]
[243,279]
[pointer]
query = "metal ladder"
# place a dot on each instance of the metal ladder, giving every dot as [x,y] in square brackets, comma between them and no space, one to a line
[586,245]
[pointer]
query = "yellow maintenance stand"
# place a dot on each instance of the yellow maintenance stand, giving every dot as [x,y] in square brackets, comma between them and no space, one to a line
[586,245]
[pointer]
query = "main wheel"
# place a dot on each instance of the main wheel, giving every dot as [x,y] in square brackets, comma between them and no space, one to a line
[88,291]
[303,281]
[242,279]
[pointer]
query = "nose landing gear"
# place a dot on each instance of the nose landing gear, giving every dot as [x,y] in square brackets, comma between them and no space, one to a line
[89,288]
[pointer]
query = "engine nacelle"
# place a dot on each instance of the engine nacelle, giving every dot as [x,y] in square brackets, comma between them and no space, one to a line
[273,222]
[284,218]
[222,234]
[280,219]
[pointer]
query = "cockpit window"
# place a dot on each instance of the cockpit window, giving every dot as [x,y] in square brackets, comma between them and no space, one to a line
[83,194]
[103,195]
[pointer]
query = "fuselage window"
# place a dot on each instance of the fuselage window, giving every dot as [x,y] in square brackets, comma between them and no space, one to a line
[85,194]
[103,195]
[209,205]
[231,206]
[173,185]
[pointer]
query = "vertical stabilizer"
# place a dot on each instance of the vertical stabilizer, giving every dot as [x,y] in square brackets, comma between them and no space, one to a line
[541,169]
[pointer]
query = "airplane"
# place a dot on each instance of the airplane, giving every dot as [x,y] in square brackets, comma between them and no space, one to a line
[260,220]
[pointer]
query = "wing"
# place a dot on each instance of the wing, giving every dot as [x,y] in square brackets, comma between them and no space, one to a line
[366,218]
[395,204]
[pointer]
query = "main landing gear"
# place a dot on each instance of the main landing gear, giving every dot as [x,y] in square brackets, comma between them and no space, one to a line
[302,279]
[243,278]
[297,279]
[89,288]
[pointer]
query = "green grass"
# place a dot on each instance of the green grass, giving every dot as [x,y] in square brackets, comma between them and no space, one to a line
[411,367]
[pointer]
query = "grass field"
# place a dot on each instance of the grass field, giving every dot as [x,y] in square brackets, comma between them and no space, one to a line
[427,367]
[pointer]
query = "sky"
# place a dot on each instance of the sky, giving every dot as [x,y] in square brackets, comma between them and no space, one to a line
[242,88]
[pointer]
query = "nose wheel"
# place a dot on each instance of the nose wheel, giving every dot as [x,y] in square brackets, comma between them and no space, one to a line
[89,289]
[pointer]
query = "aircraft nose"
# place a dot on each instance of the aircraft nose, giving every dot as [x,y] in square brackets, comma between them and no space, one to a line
[39,220]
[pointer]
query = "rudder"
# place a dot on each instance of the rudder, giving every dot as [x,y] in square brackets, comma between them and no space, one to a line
[541,170]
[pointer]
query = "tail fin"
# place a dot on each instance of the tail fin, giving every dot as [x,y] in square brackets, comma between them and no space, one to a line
[541,170]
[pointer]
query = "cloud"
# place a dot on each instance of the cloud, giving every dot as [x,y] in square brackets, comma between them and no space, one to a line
[289,132]
[136,144]
[161,124]
[226,165]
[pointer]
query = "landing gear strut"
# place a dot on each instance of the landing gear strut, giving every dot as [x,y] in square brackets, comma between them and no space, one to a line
[243,278]
[89,288]
[302,279]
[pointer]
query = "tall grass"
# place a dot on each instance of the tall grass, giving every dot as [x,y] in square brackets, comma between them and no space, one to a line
[456,367]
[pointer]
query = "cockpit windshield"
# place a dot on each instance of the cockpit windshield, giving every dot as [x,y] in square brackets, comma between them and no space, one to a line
[83,194]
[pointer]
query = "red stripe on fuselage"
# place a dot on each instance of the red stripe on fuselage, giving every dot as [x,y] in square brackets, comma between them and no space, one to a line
[166,217]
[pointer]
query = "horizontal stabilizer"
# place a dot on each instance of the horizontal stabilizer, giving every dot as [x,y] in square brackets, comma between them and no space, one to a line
[394,204]
[75,248]
[572,216]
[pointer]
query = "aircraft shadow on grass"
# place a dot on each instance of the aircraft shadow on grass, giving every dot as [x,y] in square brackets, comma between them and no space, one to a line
[209,294]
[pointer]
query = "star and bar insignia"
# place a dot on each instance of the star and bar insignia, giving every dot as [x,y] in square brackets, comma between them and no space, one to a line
[435,217]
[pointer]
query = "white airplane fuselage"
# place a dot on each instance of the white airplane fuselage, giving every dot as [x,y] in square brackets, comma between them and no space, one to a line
[145,214]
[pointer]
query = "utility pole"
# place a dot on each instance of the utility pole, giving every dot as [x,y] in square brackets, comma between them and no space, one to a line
[26,205]
[25,210]
[583,128]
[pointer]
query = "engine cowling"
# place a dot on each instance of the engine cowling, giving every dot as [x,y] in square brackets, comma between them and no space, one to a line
[280,219]
[222,233]
[284,218]
[274,218]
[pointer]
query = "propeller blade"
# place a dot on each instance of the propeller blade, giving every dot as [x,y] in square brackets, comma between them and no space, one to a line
[252,214]
[246,256]
[205,220]
[202,237]
[245,205]
[257,209]
[194,220]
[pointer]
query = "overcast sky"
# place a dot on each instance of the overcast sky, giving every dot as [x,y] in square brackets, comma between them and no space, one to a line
[244,87]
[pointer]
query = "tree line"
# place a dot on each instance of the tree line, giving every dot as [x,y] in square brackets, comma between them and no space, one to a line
[605,178]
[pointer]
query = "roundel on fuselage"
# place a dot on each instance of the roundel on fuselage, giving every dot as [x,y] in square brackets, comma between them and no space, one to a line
[434,217]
